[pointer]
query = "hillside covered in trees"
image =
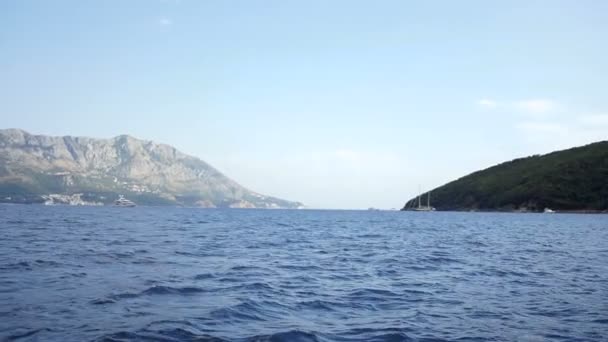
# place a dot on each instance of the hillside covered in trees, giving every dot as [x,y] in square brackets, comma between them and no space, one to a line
[570,180]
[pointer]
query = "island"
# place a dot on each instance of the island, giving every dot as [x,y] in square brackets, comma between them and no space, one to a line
[572,180]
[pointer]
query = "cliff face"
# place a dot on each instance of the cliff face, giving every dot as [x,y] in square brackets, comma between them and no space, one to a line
[33,166]
[574,179]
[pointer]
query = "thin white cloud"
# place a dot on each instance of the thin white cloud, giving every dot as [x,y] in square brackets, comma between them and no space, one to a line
[542,128]
[564,131]
[165,22]
[594,120]
[347,155]
[340,177]
[536,106]
[487,103]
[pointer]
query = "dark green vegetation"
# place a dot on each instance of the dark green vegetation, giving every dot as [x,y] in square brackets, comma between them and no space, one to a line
[572,180]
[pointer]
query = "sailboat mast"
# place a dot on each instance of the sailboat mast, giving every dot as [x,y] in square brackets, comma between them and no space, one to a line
[419,194]
[428,200]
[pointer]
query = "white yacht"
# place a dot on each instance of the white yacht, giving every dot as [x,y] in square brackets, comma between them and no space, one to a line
[421,207]
[549,211]
[123,202]
[426,207]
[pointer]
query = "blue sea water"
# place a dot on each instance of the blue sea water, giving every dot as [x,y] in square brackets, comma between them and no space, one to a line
[179,274]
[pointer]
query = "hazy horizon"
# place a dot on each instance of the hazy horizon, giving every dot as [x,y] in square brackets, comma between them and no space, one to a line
[336,105]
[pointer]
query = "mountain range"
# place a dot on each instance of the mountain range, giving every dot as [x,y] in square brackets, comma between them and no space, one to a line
[81,170]
[575,179]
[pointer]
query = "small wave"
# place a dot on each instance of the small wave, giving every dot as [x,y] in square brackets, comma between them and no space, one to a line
[16,266]
[144,261]
[203,276]
[370,236]
[249,269]
[161,290]
[485,314]
[253,310]
[371,334]
[387,273]
[176,334]
[187,254]
[123,296]
[69,220]
[416,292]
[567,312]
[26,334]
[39,262]
[247,311]
[117,243]
[391,337]
[495,272]
[102,301]
[16,222]
[122,255]
[301,267]
[287,336]
[161,335]
[119,337]
[181,334]
[29,265]
[317,305]
[243,268]
[421,268]
[374,294]
[257,286]
[200,254]
[441,260]
[154,290]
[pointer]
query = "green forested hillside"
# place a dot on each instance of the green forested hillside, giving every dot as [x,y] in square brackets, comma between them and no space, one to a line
[573,179]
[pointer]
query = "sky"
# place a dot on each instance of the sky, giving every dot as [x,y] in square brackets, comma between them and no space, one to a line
[337,104]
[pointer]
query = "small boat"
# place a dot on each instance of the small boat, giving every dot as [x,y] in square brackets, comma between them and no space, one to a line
[123,202]
[549,211]
[421,207]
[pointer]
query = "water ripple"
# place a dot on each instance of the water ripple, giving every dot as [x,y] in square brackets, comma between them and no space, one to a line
[178,274]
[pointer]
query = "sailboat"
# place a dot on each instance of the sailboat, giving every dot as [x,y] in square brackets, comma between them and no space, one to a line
[426,207]
[421,207]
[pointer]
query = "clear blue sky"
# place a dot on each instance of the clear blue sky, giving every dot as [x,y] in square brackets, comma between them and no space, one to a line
[338,104]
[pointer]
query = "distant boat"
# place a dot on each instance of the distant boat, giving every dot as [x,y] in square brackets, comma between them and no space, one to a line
[549,211]
[123,202]
[426,207]
[421,207]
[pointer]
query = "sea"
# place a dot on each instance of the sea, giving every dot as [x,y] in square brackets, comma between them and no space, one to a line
[185,274]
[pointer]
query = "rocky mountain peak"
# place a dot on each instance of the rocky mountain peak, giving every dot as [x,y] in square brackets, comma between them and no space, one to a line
[35,165]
